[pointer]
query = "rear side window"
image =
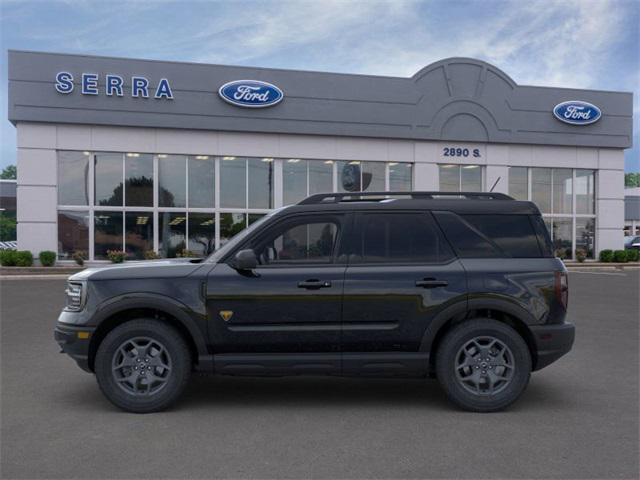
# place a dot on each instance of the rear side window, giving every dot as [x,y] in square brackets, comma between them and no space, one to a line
[491,236]
[399,238]
[544,239]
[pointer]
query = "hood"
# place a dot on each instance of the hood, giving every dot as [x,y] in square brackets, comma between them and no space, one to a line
[166,268]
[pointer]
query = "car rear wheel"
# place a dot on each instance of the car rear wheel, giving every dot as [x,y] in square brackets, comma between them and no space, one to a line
[483,365]
[143,366]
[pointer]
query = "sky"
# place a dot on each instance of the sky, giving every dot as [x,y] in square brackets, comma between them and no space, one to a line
[564,43]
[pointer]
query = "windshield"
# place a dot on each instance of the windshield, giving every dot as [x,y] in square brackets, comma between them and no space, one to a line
[239,238]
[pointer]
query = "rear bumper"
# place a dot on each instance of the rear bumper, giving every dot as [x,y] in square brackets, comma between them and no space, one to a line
[74,341]
[552,342]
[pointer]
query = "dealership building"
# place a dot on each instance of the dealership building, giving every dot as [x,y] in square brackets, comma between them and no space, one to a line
[138,155]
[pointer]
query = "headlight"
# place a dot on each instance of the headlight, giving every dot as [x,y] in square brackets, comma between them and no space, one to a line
[75,296]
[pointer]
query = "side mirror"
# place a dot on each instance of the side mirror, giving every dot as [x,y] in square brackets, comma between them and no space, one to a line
[245,260]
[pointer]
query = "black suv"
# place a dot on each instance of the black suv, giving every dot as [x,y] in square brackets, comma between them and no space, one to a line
[459,286]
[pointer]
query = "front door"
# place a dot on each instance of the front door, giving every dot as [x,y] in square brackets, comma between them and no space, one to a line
[292,301]
[401,273]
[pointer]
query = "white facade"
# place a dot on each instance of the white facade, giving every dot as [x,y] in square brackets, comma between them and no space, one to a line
[38,144]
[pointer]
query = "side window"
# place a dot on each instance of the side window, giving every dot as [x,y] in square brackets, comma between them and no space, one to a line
[467,242]
[399,238]
[299,242]
[514,234]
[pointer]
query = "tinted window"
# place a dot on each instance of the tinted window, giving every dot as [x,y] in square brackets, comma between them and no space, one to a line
[399,237]
[514,234]
[310,241]
[468,242]
[544,239]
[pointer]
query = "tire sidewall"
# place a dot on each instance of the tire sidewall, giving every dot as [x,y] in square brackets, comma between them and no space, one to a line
[446,359]
[176,348]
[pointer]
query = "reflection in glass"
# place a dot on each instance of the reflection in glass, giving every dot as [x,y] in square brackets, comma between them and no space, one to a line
[230,225]
[202,233]
[471,178]
[349,176]
[172,189]
[201,182]
[107,232]
[73,178]
[400,177]
[254,217]
[449,178]
[320,176]
[138,172]
[233,182]
[585,191]
[294,180]
[172,231]
[518,183]
[260,182]
[541,188]
[562,190]
[73,233]
[138,234]
[562,232]
[585,235]
[108,179]
[373,176]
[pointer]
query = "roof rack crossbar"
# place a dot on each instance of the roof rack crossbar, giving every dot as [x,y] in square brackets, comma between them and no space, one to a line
[355,196]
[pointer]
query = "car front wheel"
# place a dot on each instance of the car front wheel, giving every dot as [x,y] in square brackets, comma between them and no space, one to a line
[483,365]
[143,365]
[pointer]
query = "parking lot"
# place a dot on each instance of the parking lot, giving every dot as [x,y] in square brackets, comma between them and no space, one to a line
[578,418]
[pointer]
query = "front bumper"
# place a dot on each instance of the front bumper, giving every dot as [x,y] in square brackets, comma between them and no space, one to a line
[552,342]
[74,341]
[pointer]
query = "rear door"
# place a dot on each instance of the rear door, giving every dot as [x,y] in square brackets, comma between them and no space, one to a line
[401,274]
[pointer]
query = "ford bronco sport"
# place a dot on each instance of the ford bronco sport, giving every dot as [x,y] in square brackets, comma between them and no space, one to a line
[463,287]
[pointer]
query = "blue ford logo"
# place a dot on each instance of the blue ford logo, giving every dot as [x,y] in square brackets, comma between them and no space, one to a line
[576,112]
[250,93]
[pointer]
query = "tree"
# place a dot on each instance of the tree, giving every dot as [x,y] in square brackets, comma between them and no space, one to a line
[9,172]
[632,180]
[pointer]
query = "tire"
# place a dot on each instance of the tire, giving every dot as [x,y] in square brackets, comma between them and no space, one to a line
[143,366]
[469,380]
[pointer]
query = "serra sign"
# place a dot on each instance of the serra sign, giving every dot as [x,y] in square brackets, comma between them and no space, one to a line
[250,93]
[113,85]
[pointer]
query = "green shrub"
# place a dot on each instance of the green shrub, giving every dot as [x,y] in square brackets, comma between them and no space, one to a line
[24,258]
[581,254]
[606,256]
[47,258]
[633,255]
[80,256]
[151,255]
[8,258]
[620,256]
[116,256]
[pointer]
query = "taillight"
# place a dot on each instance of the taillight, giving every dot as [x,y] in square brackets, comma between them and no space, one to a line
[562,288]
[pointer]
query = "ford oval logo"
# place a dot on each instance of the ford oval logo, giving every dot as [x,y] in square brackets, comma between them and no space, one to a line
[251,93]
[577,112]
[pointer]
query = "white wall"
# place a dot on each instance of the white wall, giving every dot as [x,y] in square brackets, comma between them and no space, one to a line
[37,143]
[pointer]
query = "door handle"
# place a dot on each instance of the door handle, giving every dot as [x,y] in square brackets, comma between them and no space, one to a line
[314,284]
[431,283]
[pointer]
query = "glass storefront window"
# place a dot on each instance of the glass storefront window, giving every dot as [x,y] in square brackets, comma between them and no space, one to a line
[138,173]
[518,183]
[541,188]
[73,233]
[449,178]
[73,178]
[400,176]
[233,182]
[320,176]
[585,235]
[471,178]
[562,229]
[172,188]
[138,237]
[373,176]
[585,192]
[254,217]
[108,179]
[230,225]
[202,233]
[107,233]
[260,182]
[294,180]
[172,231]
[562,190]
[202,178]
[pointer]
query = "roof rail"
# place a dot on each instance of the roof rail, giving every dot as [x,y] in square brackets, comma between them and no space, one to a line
[362,196]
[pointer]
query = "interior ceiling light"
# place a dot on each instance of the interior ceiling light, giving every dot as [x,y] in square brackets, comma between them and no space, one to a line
[293,160]
[133,154]
[162,155]
[470,166]
[268,160]
[202,157]
[228,158]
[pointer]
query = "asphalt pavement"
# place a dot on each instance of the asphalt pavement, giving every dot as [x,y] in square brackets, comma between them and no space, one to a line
[578,418]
